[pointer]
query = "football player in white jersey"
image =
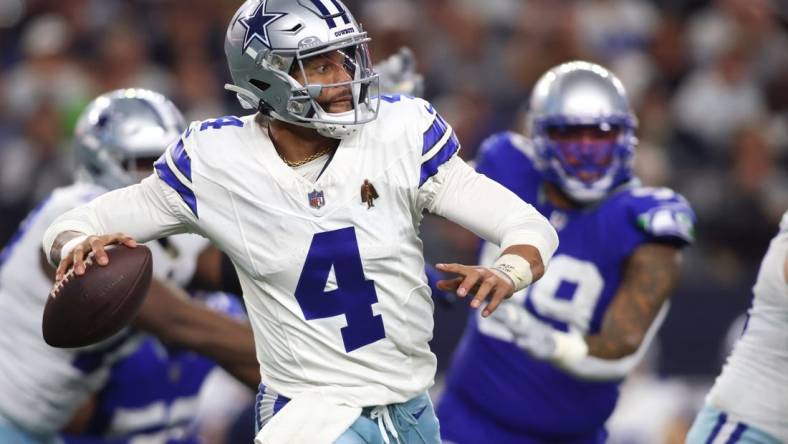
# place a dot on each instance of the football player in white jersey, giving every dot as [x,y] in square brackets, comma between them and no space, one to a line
[42,386]
[317,200]
[749,400]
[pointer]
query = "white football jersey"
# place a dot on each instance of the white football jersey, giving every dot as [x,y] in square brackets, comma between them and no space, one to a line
[753,386]
[41,386]
[332,270]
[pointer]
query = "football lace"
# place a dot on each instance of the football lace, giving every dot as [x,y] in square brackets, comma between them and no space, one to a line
[67,277]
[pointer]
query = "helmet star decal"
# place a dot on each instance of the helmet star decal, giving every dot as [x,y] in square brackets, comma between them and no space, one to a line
[256,25]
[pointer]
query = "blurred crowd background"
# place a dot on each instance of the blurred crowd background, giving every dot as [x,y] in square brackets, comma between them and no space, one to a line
[708,80]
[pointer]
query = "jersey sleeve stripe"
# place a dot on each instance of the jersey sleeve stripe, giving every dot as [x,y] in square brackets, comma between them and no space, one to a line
[166,174]
[430,167]
[182,159]
[267,404]
[434,134]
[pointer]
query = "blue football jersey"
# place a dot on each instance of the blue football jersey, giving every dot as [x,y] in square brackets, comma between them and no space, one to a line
[526,397]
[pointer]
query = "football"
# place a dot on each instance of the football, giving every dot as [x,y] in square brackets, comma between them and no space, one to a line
[84,310]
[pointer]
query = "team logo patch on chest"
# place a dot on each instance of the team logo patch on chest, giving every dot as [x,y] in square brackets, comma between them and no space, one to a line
[316,199]
[368,194]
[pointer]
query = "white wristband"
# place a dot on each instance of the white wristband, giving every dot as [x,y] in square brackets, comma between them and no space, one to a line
[70,245]
[516,268]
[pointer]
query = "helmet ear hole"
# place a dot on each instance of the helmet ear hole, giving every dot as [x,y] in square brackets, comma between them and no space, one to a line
[259,84]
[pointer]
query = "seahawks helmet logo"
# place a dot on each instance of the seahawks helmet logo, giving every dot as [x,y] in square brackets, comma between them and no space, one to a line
[256,25]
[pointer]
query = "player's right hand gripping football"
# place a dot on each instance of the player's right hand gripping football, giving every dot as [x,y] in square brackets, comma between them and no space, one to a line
[95,244]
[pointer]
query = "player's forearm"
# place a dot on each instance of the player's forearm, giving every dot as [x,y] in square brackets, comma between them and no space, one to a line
[650,276]
[495,214]
[143,211]
[183,323]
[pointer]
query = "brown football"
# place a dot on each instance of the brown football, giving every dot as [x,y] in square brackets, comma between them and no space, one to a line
[87,309]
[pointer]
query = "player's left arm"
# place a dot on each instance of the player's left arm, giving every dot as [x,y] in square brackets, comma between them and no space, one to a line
[650,276]
[497,215]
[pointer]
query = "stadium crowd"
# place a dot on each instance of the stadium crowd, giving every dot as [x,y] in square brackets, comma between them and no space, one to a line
[708,81]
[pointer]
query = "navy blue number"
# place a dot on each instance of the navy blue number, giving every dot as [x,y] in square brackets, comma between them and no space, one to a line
[220,122]
[354,294]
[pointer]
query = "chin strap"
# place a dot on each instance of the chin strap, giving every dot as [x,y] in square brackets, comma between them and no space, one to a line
[327,129]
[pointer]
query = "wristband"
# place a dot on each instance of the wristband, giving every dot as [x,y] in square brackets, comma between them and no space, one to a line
[516,268]
[70,245]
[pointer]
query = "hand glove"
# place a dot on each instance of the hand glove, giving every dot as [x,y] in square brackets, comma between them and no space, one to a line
[541,341]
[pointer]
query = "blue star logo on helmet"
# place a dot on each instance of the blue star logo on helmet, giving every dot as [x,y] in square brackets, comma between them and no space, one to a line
[256,25]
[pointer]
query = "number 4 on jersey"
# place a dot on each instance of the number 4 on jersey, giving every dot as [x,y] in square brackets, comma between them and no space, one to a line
[354,294]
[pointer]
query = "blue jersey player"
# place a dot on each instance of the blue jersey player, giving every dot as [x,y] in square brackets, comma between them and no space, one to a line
[546,367]
[152,395]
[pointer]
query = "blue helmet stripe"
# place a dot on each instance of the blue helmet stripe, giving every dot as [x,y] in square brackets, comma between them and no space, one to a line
[434,134]
[182,159]
[342,10]
[165,174]
[323,10]
[430,167]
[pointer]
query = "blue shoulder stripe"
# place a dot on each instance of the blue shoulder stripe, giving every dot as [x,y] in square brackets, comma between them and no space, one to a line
[435,132]
[181,159]
[430,167]
[165,173]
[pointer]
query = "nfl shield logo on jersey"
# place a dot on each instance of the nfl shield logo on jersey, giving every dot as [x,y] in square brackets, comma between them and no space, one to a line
[316,199]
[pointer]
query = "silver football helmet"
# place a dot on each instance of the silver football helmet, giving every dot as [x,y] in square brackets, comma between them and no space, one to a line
[121,131]
[582,95]
[268,41]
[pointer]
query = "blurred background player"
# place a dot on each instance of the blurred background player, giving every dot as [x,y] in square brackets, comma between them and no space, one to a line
[155,394]
[749,400]
[547,366]
[119,136]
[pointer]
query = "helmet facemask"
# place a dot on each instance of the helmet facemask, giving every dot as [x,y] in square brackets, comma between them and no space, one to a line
[333,87]
[307,90]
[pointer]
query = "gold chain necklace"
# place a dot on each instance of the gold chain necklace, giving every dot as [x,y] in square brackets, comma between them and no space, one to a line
[298,163]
